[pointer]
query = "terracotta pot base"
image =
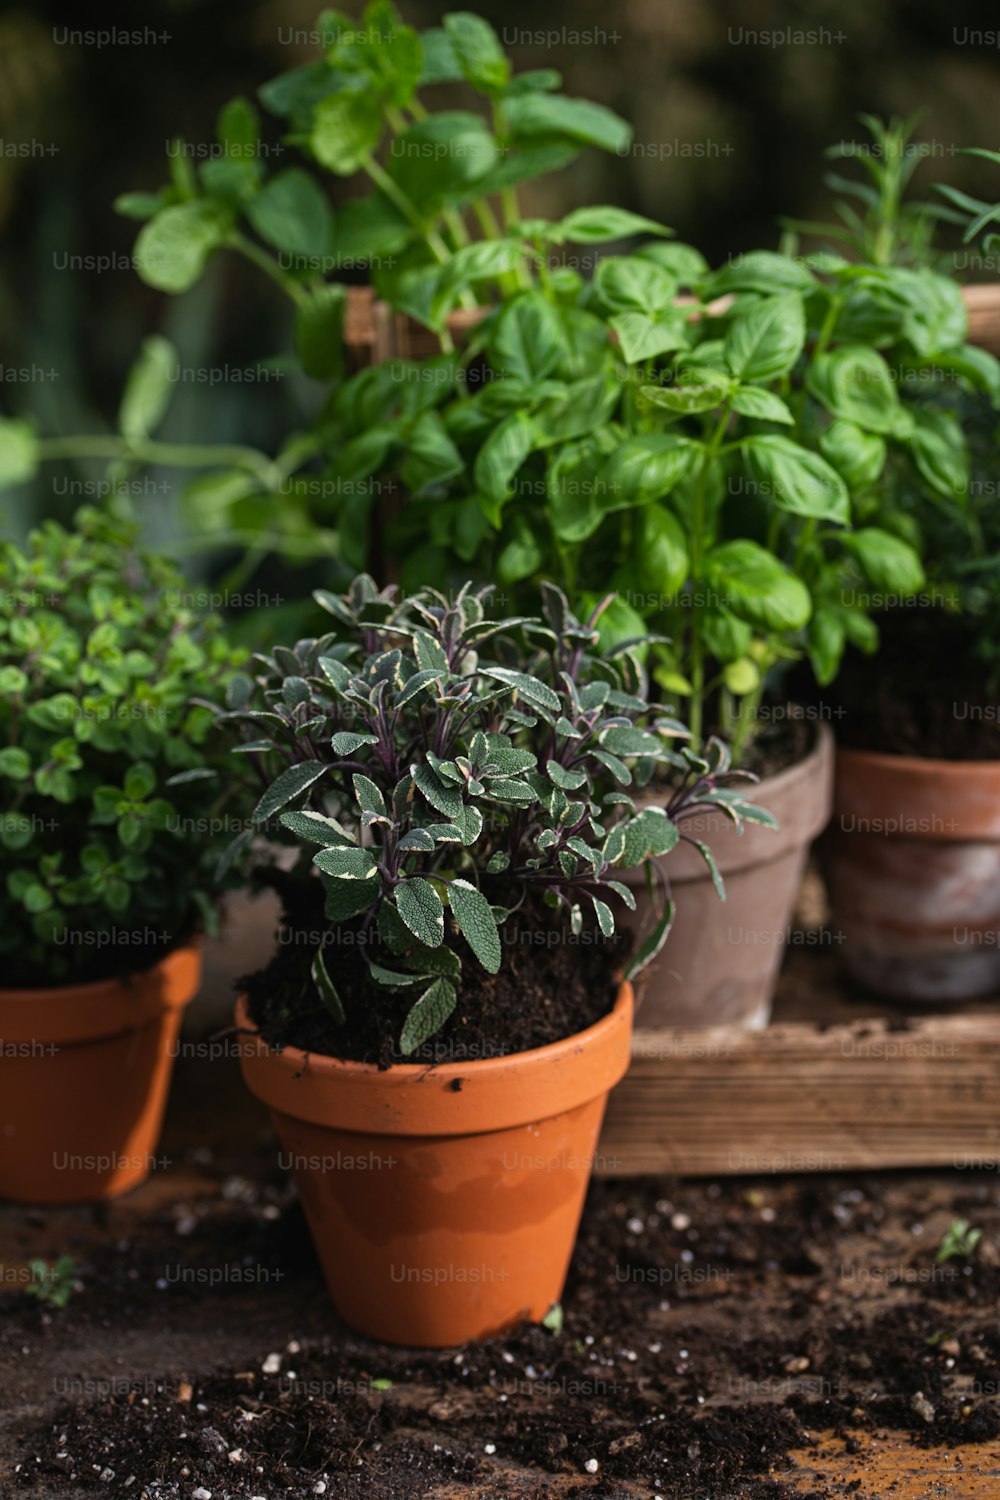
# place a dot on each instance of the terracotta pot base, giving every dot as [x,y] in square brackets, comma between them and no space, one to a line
[444,1201]
[84,1075]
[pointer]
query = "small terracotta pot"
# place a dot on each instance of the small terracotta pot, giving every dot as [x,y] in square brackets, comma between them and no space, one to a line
[720,964]
[912,865]
[84,1074]
[444,1200]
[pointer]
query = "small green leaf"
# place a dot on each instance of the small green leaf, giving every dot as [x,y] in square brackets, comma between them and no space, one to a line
[796,479]
[427,1015]
[553,1319]
[525,686]
[293,214]
[346,741]
[291,783]
[347,127]
[390,979]
[766,340]
[891,564]
[149,388]
[474,919]
[327,992]
[171,250]
[765,406]
[316,828]
[346,862]
[477,50]
[19,452]
[595,226]
[653,943]
[536,114]
[420,907]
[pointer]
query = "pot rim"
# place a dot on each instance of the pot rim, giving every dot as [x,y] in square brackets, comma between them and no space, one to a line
[102,1007]
[912,765]
[419,1098]
[758,847]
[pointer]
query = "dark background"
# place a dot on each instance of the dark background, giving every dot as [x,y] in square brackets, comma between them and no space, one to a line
[730,134]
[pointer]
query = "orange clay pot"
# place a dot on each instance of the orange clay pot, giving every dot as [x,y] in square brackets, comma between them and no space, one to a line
[912,865]
[84,1074]
[444,1200]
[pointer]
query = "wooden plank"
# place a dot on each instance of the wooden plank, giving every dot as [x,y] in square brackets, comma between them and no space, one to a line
[983,304]
[836,1083]
[797,1099]
[362,312]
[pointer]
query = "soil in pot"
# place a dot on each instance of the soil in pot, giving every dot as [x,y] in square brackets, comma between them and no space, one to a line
[922,694]
[551,985]
[721,962]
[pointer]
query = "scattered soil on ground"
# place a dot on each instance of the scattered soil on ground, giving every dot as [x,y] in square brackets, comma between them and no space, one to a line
[713,1332]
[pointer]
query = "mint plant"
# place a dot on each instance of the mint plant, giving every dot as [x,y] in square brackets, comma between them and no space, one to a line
[358,113]
[445,767]
[107,834]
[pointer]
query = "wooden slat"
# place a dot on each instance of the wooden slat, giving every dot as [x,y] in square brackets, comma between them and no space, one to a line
[983,304]
[800,1097]
[362,313]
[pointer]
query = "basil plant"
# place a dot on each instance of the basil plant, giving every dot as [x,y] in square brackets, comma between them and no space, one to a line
[438,767]
[738,465]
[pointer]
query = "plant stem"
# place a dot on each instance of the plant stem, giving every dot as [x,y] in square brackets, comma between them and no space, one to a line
[269,266]
[171,455]
[712,447]
[407,208]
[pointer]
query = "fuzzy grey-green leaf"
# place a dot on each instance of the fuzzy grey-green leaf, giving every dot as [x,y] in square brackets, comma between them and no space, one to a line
[420,907]
[474,920]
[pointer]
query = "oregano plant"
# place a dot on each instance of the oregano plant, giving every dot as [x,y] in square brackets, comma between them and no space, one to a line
[113,817]
[438,768]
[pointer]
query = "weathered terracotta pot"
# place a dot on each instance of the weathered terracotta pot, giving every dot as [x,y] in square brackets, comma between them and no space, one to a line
[444,1200]
[721,961]
[912,864]
[84,1075]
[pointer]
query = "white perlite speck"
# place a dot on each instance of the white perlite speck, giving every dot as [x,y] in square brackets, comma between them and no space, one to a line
[591,1466]
[272,1364]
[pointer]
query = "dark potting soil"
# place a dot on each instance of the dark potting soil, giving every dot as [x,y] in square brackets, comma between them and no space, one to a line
[922,693]
[710,1330]
[108,953]
[552,983]
[782,740]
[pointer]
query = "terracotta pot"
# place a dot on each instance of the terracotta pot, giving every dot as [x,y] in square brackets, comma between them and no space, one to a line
[84,1074]
[720,964]
[912,864]
[444,1200]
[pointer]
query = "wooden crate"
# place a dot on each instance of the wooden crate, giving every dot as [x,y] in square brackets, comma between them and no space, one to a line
[373,332]
[836,1083]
